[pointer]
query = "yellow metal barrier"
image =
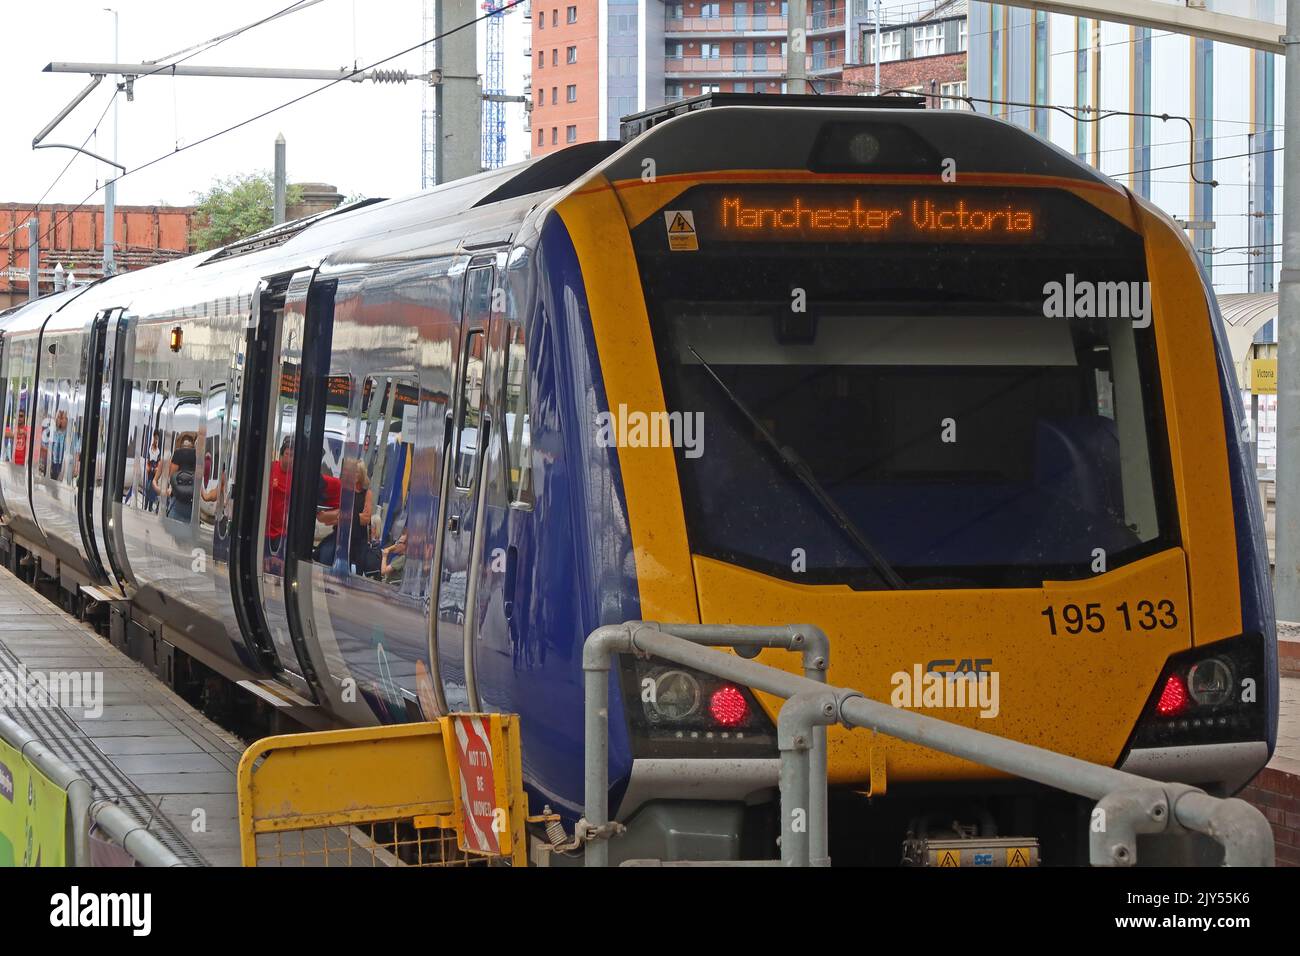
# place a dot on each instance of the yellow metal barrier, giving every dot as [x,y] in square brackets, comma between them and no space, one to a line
[446,793]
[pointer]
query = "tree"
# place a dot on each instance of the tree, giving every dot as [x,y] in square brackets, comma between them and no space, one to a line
[236,207]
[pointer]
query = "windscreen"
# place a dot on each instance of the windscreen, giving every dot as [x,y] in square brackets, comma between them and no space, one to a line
[923,388]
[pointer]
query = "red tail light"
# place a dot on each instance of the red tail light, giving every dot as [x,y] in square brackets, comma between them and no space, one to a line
[1173,699]
[728,706]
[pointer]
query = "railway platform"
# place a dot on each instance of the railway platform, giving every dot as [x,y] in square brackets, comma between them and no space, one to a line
[139,745]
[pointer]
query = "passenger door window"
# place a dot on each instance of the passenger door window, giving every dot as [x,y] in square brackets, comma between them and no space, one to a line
[519,458]
[471,406]
[388,414]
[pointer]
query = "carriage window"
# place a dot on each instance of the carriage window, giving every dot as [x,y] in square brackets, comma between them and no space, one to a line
[471,409]
[48,402]
[55,431]
[153,451]
[519,458]
[388,416]
[213,462]
[376,480]
[178,480]
[71,468]
[280,468]
[18,425]
[338,401]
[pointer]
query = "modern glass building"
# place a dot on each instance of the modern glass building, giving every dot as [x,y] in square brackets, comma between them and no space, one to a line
[1099,89]
[1193,125]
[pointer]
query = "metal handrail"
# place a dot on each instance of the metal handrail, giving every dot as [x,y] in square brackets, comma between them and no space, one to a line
[83,810]
[1126,803]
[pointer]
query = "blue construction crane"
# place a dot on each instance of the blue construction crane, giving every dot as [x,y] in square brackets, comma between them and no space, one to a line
[494,82]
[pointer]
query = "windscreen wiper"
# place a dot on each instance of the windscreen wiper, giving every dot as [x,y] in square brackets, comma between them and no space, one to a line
[790,458]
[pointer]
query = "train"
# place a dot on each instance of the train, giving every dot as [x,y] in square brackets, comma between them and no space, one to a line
[915,376]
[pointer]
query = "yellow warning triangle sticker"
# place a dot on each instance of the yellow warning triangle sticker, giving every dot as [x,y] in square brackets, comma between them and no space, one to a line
[679,224]
[950,858]
[1017,857]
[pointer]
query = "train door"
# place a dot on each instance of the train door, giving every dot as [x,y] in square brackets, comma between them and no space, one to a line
[460,499]
[86,456]
[109,483]
[282,327]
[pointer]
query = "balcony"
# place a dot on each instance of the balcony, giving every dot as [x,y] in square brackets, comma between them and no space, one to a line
[744,66]
[725,26]
[682,66]
[829,20]
[749,24]
[825,62]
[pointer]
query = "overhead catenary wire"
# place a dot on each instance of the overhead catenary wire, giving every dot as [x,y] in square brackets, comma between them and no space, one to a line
[66,166]
[291,102]
[185,54]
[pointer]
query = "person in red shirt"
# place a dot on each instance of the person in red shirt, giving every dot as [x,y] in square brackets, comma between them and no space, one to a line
[20,439]
[328,495]
[277,505]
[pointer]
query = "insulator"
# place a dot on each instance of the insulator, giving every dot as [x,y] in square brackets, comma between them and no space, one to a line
[389,76]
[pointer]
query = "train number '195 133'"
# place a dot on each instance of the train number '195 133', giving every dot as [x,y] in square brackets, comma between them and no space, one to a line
[1091,618]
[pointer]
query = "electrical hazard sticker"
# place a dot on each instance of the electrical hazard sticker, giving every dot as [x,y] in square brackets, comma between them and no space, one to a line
[1018,856]
[681,230]
[949,858]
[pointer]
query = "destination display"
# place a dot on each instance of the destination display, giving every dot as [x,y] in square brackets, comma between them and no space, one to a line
[887,215]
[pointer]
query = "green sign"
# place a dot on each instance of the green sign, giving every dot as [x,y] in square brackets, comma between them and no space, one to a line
[33,814]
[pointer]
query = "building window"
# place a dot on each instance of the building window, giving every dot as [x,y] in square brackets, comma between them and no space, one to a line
[675,49]
[961,35]
[555,57]
[570,134]
[710,51]
[676,11]
[571,15]
[950,96]
[555,18]
[710,11]
[710,88]
[740,86]
[891,46]
[672,91]
[541,136]
[995,58]
[1203,146]
[927,40]
[541,22]
[1081,86]
[1142,104]
[571,92]
[541,59]
[1041,60]
[541,96]
[571,55]
[555,135]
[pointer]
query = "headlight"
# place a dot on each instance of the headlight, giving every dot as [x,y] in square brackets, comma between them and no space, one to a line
[1218,693]
[1210,682]
[675,711]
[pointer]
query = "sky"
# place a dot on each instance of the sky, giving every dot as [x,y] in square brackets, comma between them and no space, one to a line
[361,137]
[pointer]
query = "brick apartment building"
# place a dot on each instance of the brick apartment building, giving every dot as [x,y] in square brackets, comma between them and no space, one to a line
[73,238]
[922,49]
[592,62]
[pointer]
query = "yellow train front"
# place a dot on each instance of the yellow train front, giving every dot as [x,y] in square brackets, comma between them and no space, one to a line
[928,382]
